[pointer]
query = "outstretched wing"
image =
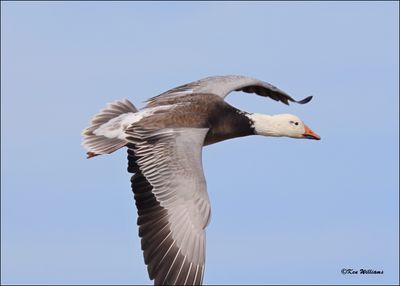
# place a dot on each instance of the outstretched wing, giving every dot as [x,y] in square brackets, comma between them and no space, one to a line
[172,201]
[223,85]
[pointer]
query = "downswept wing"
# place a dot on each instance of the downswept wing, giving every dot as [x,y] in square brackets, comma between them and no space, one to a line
[223,85]
[172,201]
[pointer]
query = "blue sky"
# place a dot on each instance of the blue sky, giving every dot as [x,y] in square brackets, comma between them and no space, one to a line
[283,211]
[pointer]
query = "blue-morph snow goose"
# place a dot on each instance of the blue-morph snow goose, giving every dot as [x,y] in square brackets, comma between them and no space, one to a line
[165,141]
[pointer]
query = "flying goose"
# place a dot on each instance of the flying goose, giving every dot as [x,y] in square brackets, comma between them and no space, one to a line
[164,141]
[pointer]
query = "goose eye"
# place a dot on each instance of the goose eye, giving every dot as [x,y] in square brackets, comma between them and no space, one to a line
[296,123]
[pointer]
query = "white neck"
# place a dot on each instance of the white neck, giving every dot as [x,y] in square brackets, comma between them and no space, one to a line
[267,125]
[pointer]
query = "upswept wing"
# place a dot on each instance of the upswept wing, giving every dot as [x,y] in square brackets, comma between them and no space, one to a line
[223,85]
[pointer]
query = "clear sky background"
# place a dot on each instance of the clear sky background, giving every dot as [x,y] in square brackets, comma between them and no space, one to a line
[283,210]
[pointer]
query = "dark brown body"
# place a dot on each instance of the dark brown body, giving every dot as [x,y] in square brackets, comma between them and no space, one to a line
[201,111]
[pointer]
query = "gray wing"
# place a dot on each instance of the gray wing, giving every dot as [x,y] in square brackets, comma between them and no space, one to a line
[172,201]
[223,85]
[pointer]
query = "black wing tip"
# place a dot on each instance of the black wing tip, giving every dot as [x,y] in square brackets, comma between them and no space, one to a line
[305,100]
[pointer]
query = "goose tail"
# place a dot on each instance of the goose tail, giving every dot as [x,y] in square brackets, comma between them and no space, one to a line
[105,133]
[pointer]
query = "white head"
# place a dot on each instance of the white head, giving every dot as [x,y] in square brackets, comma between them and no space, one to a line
[287,125]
